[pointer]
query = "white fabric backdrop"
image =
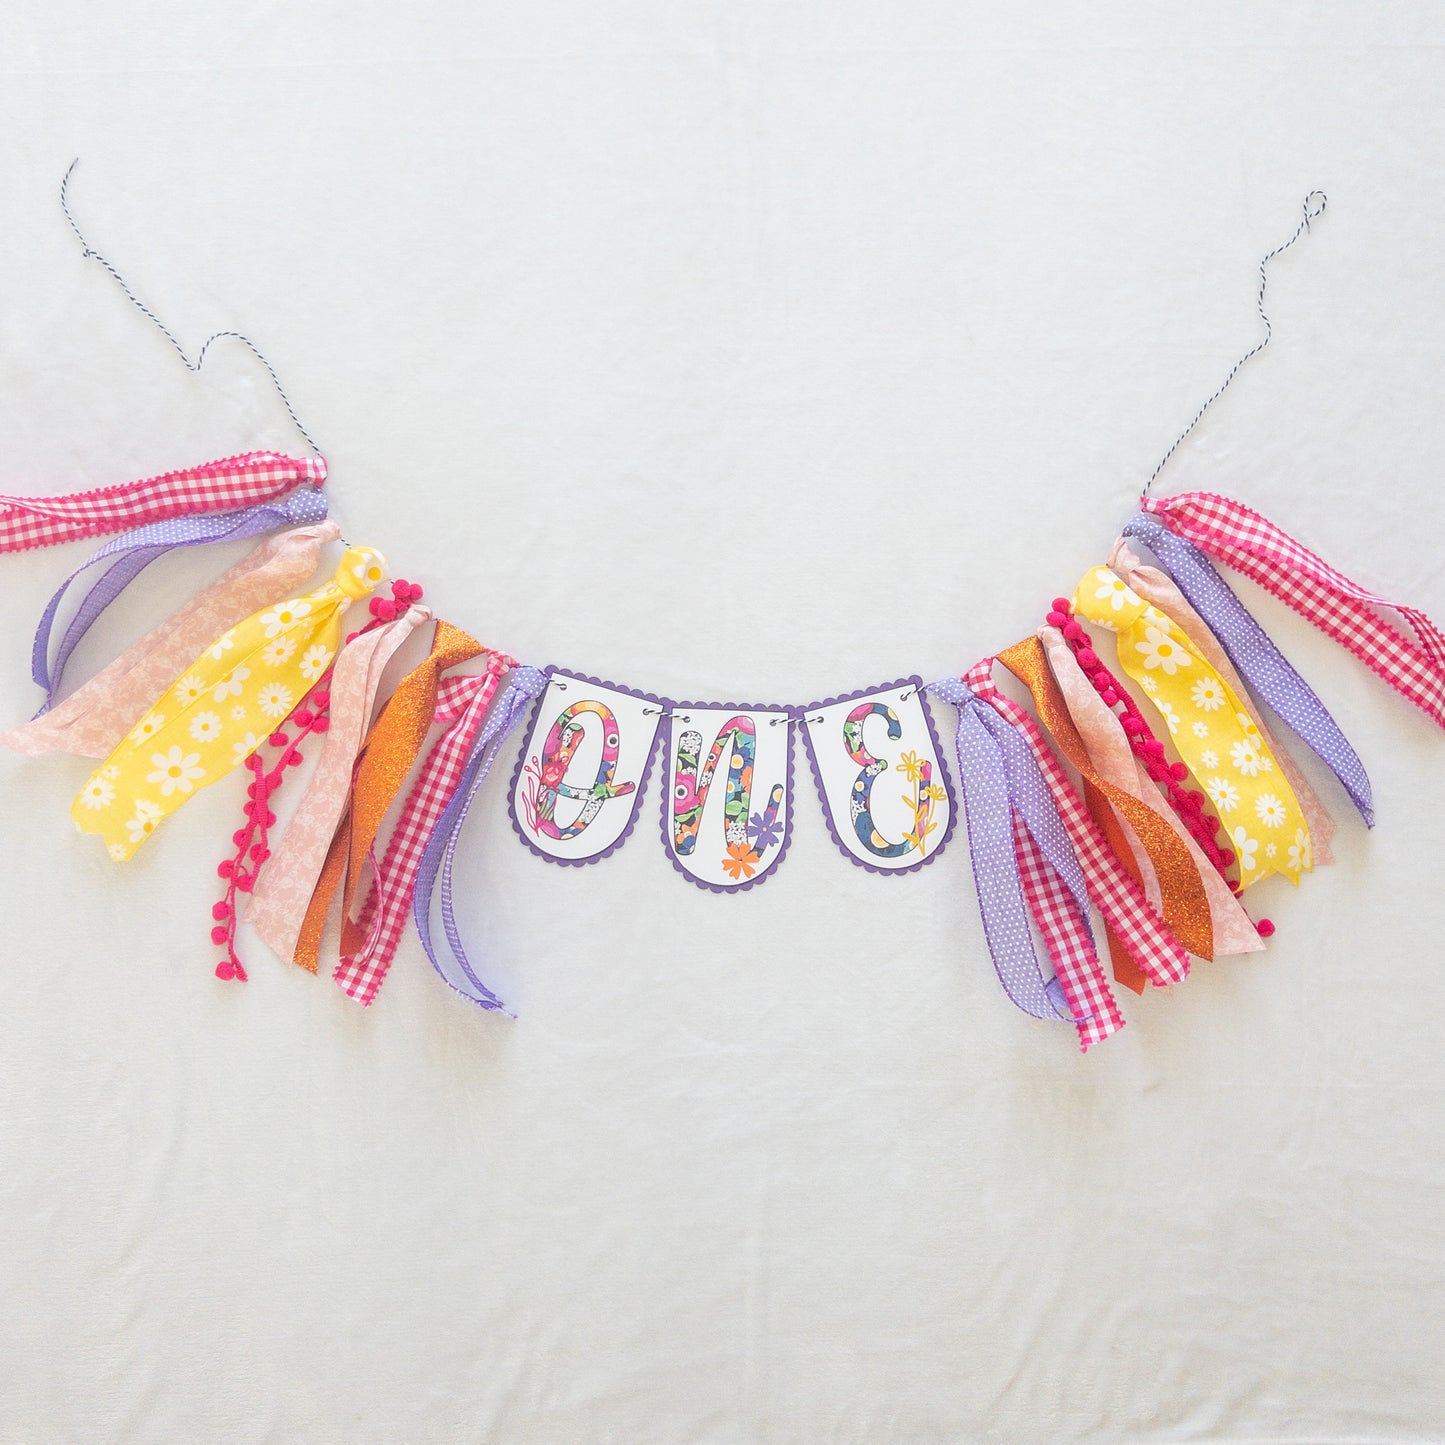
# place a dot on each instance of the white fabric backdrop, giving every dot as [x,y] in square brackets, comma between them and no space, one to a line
[754,351]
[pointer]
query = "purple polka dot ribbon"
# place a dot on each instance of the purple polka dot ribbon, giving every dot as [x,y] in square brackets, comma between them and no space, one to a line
[1255,657]
[134,552]
[995,784]
[524,685]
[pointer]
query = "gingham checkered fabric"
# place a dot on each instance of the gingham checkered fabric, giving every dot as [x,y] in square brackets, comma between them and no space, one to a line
[1341,609]
[1069,940]
[226,485]
[462,704]
[1115,893]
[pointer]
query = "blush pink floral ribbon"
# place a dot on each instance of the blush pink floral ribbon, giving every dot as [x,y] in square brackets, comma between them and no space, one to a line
[283,890]
[1252,545]
[1116,894]
[220,486]
[461,708]
[93,720]
[131,554]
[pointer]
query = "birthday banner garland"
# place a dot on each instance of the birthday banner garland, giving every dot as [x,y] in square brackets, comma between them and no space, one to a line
[1146,679]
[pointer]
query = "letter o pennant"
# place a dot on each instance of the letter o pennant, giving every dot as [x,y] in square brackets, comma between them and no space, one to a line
[580,777]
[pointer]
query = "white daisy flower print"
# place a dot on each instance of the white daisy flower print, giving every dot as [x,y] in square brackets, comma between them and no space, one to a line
[1247,727]
[282,650]
[190,688]
[147,815]
[222,646]
[1168,714]
[1207,694]
[1149,685]
[118,851]
[97,794]
[1299,854]
[238,713]
[1209,758]
[1246,758]
[1201,730]
[111,773]
[274,699]
[230,685]
[1161,651]
[1114,590]
[1223,794]
[245,747]
[314,661]
[176,772]
[1270,849]
[149,727]
[284,615]
[205,727]
[1245,848]
[369,570]
[1269,810]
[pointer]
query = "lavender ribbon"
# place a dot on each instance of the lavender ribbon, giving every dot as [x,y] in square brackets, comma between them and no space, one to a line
[994,782]
[525,684]
[135,551]
[1255,657]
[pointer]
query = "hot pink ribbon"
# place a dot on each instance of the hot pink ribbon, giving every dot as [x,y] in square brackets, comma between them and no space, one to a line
[94,719]
[284,889]
[1341,609]
[462,704]
[1114,892]
[229,484]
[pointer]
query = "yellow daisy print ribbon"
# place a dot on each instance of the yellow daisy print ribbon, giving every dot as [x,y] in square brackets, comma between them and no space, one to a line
[241,689]
[1210,727]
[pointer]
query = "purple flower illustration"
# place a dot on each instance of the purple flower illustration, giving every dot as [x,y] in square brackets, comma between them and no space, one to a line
[764,832]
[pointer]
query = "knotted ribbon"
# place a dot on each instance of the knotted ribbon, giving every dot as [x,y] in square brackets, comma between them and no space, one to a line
[220,486]
[1019,848]
[525,684]
[370,944]
[391,751]
[1115,762]
[1252,545]
[283,891]
[1256,658]
[135,551]
[1212,731]
[1115,892]
[94,719]
[252,676]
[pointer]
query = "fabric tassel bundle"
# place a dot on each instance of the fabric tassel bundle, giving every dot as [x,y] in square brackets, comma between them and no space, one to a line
[1149,682]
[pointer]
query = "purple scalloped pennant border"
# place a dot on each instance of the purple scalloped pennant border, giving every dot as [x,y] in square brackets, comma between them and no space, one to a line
[553,670]
[916,683]
[665,811]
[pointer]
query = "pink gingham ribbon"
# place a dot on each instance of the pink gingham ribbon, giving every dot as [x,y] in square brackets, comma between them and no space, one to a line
[220,486]
[1252,545]
[461,707]
[1114,891]
[1070,942]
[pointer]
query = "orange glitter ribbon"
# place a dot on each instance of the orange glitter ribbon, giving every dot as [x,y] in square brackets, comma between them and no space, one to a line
[388,756]
[1186,908]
